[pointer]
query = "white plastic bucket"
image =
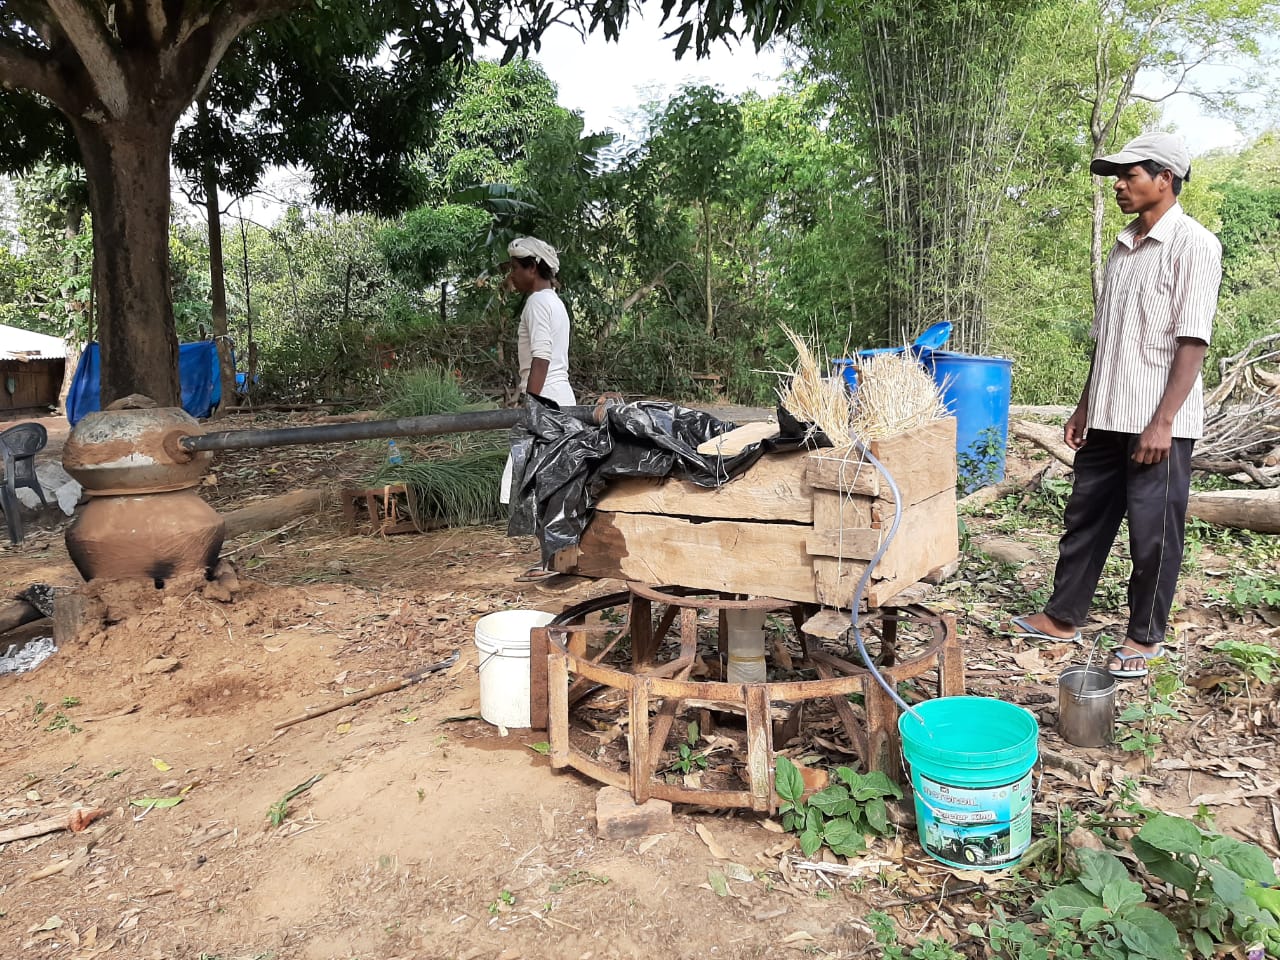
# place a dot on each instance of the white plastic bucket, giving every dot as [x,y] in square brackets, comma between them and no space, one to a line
[502,657]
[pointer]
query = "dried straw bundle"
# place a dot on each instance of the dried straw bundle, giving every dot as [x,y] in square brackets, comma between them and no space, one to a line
[812,398]
[895,393]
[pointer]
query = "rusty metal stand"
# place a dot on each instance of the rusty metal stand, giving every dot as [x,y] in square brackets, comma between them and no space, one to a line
[656,691]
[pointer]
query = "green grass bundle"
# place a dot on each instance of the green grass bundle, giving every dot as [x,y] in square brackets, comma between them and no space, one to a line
[456,490]
[423,392]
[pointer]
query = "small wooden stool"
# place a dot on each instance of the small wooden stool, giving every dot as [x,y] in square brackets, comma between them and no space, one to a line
[383,509]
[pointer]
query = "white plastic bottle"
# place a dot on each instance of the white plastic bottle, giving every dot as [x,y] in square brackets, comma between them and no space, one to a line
[746,646]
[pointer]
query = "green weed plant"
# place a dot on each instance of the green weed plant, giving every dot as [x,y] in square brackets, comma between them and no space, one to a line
[840,816]
[1255,660]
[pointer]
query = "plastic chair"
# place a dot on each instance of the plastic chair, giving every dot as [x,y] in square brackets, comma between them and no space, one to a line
[20,445]
[9,507]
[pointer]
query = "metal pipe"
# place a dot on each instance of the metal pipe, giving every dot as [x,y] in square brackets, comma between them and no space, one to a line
[368,430]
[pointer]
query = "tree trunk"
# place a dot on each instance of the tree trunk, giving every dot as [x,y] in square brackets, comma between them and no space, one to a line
[706,265]
[1095,237]
[74,348]
[127,162]
[218,290]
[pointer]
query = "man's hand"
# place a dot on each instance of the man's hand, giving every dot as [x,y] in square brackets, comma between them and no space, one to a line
[1154,443]
[1073,432]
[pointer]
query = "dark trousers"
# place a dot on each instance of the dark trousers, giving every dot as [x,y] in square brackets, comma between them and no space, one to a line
[1108,485]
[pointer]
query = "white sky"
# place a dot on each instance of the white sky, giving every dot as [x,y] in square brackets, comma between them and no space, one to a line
[607,82]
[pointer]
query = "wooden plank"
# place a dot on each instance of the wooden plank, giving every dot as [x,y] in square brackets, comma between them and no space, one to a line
[638,734]
[852,544]
[835,580]
[738,439]
[761,559]
[539,644]
[759,746]
[558,710]
[922,462]
[844,470]
[927,538]
[827,624]
[837,511]
[773,489]
[899,453]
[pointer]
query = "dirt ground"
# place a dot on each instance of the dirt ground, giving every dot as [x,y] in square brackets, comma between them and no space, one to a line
[430,834]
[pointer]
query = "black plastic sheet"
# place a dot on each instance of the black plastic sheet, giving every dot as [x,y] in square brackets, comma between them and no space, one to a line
[561,465]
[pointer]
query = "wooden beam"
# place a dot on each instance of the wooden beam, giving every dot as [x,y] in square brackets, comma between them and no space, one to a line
[927,538]
[773,489]
[922,462]
[760,559]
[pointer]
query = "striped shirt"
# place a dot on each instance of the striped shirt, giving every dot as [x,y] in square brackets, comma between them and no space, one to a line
[1154,290]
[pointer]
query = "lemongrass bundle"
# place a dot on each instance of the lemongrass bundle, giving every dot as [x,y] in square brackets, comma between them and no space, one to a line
[895,393]
[810,396]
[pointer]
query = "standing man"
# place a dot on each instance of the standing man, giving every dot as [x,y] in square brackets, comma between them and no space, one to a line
[1142,407]
[542,341]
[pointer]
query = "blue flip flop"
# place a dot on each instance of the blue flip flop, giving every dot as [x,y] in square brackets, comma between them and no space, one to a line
[1126,652]
[1026,630]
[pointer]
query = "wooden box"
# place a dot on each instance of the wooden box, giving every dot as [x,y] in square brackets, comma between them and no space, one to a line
[797,526]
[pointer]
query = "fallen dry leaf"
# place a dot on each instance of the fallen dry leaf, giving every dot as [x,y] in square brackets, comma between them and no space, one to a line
[713,845]
[800,936]
[1236,796]
[648,842]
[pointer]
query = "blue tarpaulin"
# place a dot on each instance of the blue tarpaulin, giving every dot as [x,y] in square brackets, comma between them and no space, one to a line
[197,375]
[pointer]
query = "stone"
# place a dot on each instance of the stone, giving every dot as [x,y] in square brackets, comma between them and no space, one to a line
[161,665]
[619,817]
[1008,551]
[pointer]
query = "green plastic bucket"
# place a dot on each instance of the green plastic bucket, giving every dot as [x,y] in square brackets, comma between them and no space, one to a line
[971,773]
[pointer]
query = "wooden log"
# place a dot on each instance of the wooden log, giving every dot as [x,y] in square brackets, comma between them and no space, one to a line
[17,613]
[761,559]
[984,495]
[1028,410]
[273,512]
[773,489]
[1046,437]
[1256,510]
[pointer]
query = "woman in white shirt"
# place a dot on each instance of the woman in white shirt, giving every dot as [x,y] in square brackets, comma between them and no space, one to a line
[543,342]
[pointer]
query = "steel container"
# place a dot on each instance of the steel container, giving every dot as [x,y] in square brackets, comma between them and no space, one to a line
[1087,706]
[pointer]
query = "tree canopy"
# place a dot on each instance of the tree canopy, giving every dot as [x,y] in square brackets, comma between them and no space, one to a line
[121,75]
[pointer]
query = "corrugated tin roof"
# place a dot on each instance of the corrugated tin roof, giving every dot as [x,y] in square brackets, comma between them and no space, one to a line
[18,344]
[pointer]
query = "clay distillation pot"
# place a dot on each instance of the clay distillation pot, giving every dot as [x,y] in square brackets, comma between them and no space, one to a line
[143,518]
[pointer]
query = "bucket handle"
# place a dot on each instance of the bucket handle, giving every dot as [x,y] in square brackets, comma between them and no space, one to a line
[496,652]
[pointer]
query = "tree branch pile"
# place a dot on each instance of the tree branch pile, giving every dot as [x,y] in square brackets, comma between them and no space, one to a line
[1242,414]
